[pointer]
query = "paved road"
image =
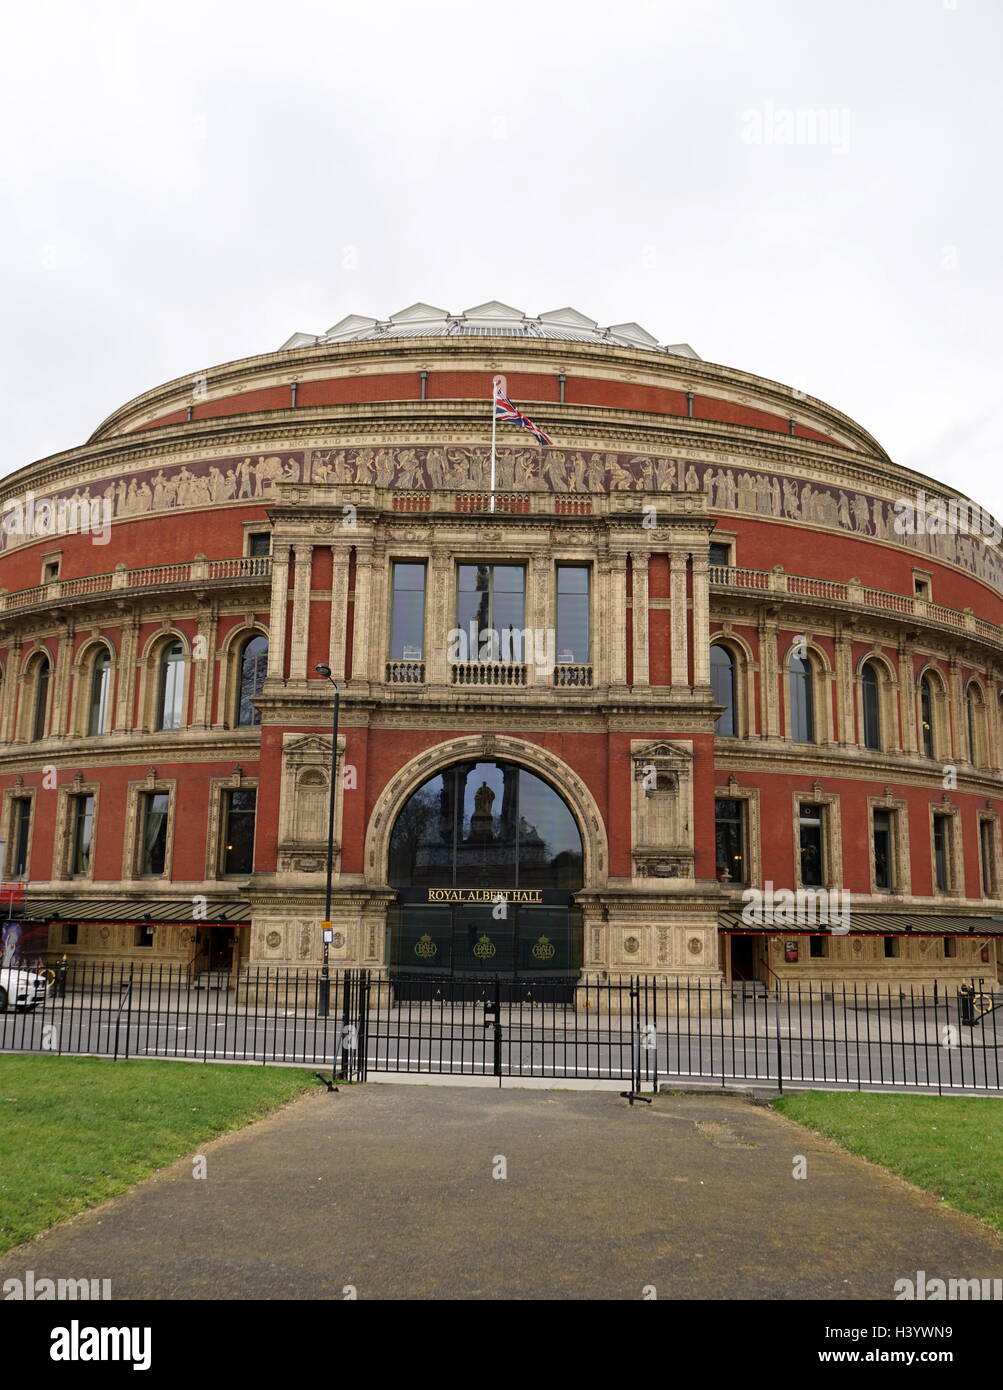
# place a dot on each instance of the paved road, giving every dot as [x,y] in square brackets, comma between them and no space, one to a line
[391,1190]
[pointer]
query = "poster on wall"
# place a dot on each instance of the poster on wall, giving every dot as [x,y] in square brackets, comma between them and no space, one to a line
[791,952]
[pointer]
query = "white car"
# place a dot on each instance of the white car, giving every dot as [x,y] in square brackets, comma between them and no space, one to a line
[21,989]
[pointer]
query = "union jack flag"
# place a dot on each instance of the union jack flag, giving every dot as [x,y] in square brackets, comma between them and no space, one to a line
[511,415]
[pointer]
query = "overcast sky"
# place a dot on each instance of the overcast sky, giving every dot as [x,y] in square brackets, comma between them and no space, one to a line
[187,184]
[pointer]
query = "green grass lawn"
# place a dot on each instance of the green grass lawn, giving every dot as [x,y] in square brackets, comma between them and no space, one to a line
[75,1131]
[950,1146]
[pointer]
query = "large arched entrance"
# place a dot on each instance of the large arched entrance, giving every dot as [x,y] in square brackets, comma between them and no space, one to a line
[485,857]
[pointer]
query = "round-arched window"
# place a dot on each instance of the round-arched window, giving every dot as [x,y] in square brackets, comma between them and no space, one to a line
[722,679]
[486,825]
[253,669]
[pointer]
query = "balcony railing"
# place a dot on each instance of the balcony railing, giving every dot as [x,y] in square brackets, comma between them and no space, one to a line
[569,675]
[777,581]
[504,673]
[198,570]
[405,673]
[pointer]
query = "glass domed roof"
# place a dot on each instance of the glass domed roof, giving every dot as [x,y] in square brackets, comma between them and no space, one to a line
[494,320]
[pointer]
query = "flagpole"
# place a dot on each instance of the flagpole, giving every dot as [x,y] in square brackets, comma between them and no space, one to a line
[494,430]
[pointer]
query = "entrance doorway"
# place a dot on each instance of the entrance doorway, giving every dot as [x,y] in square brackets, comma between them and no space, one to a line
[743,957]
[487,859]
[215,948]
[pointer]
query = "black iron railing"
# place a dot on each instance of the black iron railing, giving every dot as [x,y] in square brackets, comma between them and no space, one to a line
[643,1031]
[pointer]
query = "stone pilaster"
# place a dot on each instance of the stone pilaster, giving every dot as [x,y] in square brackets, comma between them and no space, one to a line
[677,597]
[701,618]
[337,643]
[769,675]
[639,610]
[617,620]
[277,615]
[439,620]
[301,611]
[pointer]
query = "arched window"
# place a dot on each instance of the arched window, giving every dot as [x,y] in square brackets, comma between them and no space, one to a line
[171,684]
[252,672]
[100,691]
[801,684]
[40,699]
[870,691]
[975,711]
[926,717]
[722,679]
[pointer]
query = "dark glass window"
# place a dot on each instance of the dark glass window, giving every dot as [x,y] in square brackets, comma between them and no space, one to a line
[802,696]
[83,833]
[882,841]
[722,679]
[729,833]
[253,669]
[720,554]
[490,611]
[22,823]
[872,707]
[986,845]
[97,717]
[572,613]
[259,543]
[238,857]
[172,683]
[950,946]
[926,716]
[812,865]
[818,947]
[407,617]
[941,858]
[486,824]
[973,728]
[41,699]
[153,855]
[891,947]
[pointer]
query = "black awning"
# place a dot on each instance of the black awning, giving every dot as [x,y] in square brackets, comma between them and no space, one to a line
[875,924]
[163,910]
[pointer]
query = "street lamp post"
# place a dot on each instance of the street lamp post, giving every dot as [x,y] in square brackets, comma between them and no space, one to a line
[324,996]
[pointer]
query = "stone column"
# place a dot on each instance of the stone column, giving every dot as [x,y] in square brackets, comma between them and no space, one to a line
[844,688]
[639,610]
[539,617]
[204,669]
[378,643]
[301,612]
[769,676]
[61,714]
[337,639]
[677,597]
[617,618]
[701,618]
[277,615]
[125,673]
[362,644]
[440,616]
[907,740]
[9,694]
[956,699]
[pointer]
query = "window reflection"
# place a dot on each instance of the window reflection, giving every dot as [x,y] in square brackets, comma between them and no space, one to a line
[486,824]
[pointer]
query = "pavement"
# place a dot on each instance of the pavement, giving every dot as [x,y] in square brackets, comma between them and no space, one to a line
[395,1192]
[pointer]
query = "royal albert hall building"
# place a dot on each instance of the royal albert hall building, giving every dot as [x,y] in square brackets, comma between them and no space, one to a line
[735,671]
